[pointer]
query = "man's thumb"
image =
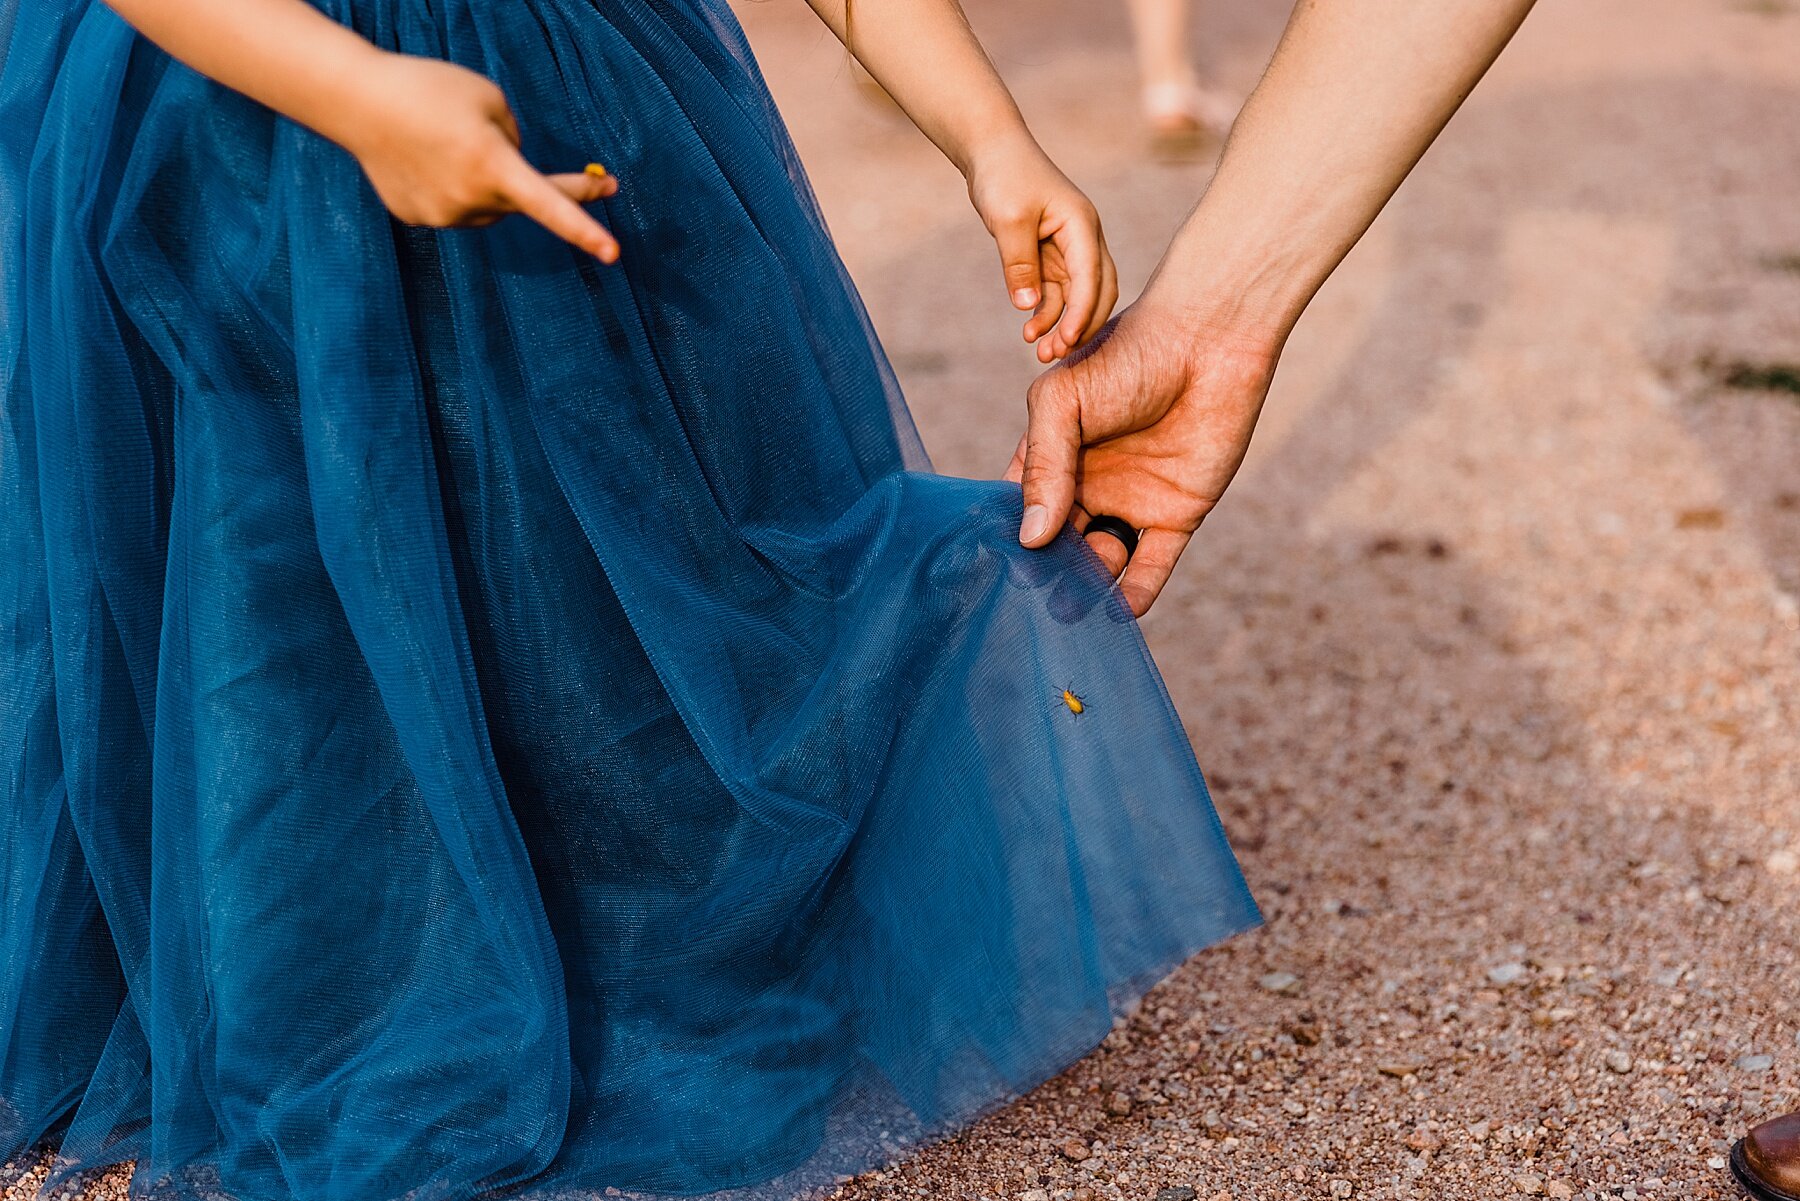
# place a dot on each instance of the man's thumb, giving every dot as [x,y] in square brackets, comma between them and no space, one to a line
[1052,444]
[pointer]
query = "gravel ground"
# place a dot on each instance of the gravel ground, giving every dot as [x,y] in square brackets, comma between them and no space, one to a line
[1493,654]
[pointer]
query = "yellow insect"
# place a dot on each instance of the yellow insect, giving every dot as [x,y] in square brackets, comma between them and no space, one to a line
[1073,702]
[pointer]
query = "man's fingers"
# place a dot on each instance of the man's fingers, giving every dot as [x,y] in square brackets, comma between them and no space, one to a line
[1052,445]
[1015,470]
[1018,242]
[1108,547]
[1150,566]
[551,207]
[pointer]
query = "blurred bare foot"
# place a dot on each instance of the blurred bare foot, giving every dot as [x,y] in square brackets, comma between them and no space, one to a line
[1184,118]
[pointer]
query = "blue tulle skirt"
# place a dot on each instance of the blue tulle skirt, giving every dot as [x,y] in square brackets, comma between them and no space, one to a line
[477,722]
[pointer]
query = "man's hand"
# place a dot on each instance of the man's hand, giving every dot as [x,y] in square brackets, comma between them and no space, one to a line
[1148,423]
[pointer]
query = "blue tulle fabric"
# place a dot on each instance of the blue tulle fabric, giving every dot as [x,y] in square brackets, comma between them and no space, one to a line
[474,722]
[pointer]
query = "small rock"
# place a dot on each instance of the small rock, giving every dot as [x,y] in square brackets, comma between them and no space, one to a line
[1304,1033]
[1479,1131]
[1529,1183]
[1507,973]
[1219,1197]
[1074,1149]
[1423,1140]
[1783,863]
[1342,1188]
[1083,1193]
[1034,1194]
[1400,1068]
[1294,1108]
[1559,1190]
[1180,1192]
[1618,1061]
[1755,1063]
[1285,983]
[1700,519]
[1118,1105]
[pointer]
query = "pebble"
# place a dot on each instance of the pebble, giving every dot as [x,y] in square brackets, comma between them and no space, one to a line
[1618,1061]
[1783,863]
[1285,983]
[1507,973]
[1529,1183]
[1342,1188]
[1074,1149]
[1755,1063]
[1180,1192]
[1118,1105]
[1559,1190]
[1400,1068]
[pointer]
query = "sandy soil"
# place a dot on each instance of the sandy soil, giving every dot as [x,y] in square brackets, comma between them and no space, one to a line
[1492,655]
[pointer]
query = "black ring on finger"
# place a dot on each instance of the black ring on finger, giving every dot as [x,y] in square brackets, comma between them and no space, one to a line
[1106,523]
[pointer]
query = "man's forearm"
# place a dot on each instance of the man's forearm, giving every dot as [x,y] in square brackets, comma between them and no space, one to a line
[1355,93]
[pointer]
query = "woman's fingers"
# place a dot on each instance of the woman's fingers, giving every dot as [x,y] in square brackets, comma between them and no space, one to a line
[1048,312]
[551,207]
[1017,239]
[1084,255]
[1109,294]
[1150,567]
[585,187]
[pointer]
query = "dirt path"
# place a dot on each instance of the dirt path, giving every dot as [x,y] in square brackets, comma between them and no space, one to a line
[1493,655]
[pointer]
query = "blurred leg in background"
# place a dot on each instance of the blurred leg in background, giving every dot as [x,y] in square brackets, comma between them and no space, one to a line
[1182,115]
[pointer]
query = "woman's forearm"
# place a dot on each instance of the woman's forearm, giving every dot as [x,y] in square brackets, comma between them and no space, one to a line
[929,60]
[284,53]
[1355,93]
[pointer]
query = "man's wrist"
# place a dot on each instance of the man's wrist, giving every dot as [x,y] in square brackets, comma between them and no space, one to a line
[1241,283]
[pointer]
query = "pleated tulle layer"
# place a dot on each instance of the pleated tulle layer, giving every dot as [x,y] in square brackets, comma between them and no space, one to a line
[472,721]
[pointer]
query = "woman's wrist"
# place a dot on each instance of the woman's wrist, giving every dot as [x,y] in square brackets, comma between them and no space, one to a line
[1002,148]
[350,99]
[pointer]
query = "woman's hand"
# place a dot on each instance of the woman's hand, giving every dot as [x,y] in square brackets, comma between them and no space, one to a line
[441,147]
[1052,249]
